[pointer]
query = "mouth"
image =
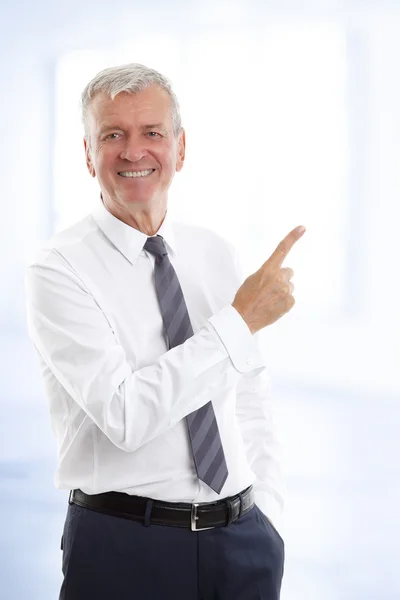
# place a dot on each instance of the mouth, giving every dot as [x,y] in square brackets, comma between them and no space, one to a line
[135,174]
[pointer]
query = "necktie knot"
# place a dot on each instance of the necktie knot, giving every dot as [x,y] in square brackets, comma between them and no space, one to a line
[156,246]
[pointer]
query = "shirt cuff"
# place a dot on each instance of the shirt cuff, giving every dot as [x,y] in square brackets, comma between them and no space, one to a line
[238,340]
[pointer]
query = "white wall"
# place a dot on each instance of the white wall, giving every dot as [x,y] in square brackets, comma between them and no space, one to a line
[355,348]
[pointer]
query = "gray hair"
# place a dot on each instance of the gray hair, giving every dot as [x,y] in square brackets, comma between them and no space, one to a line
[130,78]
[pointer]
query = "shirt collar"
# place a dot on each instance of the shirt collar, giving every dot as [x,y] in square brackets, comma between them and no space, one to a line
[128,240]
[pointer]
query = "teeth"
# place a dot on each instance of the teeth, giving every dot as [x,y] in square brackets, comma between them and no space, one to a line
[136,173]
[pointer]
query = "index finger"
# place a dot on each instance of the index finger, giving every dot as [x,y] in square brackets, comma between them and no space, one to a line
[283,248]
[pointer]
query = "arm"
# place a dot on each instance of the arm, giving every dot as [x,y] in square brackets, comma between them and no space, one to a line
[255,413]
[75,339]
[254,410]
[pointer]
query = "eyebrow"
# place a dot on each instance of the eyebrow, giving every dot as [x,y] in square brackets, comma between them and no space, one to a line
[153,126]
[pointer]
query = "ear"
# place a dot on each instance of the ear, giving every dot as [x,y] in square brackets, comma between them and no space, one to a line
[180,159]
[89,163]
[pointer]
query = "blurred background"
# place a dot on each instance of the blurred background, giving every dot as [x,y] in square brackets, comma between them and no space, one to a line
[291,110]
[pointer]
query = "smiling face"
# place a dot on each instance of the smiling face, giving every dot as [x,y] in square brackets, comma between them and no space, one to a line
[133,151]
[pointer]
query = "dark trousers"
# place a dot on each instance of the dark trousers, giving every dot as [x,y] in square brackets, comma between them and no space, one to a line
[107,557]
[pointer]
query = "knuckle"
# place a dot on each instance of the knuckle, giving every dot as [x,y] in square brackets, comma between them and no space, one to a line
[282,247]
[288,288]
[286,273]
[282,293]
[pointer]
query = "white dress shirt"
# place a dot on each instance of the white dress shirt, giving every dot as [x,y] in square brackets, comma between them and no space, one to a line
[117,396]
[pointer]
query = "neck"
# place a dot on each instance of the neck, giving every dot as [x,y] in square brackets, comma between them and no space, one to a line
[144,221]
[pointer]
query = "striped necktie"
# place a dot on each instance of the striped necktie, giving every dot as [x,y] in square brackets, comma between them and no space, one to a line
[208,453]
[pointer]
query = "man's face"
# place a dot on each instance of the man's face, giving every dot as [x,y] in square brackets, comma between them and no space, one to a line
[132,148]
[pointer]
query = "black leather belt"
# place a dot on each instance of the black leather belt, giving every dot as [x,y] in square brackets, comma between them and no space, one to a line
[196,517]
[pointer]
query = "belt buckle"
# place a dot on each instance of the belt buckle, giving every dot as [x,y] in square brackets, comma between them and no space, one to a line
[194,517]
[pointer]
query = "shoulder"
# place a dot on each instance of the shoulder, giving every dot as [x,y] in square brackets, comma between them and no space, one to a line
[55,247]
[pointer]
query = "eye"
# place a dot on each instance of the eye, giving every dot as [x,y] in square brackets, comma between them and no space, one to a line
[153,134]
[112,136]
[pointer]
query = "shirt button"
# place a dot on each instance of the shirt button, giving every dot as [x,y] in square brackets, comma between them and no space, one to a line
[249,361]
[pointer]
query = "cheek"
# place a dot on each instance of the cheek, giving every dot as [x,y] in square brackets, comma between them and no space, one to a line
[105,160]
[170,161]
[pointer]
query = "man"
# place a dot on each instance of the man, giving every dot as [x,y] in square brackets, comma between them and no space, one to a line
[157,389]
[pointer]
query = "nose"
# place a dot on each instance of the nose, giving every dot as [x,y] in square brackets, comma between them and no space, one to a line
[133,150]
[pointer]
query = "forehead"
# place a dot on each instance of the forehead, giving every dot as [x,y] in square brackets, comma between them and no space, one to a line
[151,105]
